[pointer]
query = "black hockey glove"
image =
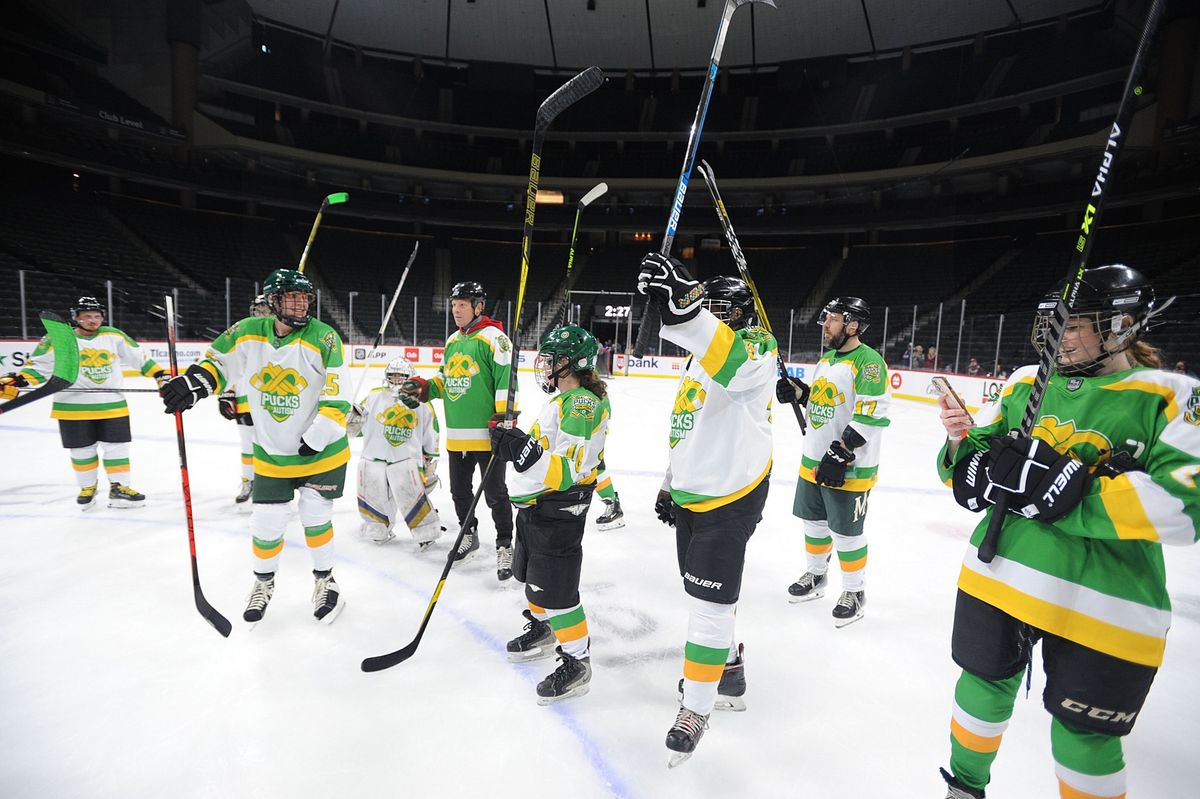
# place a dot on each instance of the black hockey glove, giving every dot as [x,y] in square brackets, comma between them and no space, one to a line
[831,471]
[1045,485]
[227,405]
[1118,465]
[664,508]
[182,392]
[515,445]
[305,450]
[667,283]
[790,390]
[970,481]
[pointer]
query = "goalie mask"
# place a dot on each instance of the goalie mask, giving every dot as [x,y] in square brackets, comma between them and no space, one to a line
[570,342]
[398,370]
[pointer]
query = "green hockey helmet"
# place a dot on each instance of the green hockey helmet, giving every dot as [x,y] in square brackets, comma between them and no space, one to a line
[281,282]
[572,342]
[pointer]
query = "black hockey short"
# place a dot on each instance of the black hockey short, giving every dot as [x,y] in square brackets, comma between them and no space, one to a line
[495,492]
[244,419]
[711,546]
[76,433]
[1084,688]
[549,553]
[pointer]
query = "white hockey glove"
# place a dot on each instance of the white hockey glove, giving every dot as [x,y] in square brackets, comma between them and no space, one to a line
[431,475]
[355,420]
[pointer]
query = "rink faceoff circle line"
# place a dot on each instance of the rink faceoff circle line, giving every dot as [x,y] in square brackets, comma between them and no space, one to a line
[592,750]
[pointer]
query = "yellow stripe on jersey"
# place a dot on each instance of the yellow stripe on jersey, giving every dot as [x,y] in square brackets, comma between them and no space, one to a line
[335,460]
[334,414]
[852,483]
[718,350]
[1125,510]
[717,502]
[1166,392]
[111,413]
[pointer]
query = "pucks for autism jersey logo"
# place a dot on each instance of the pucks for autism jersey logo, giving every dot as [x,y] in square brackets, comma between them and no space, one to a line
[96,364]
[398,424]
[281,388]
[1088,446]
[1192,414]
[688,403]
[457,374]
[823,401]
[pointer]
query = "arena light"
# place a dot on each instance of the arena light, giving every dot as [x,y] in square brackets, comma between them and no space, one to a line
[549,197]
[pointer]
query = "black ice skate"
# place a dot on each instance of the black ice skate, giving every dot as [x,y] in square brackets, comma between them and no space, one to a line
[956,790]
[244,491]
[612,518]
[122,496]
[260,597]
[504,556]
[469,544]
[327,599]
[569,680]
[87,498]
[732,687]
[849,608]
[684,735]
[536,643]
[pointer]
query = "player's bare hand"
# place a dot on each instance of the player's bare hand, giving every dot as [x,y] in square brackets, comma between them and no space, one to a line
[956,421]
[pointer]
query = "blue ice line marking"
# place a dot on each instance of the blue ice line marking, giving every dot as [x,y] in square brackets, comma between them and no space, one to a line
[591,749]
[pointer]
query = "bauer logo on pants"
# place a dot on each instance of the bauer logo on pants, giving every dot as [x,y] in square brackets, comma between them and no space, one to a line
[281,389]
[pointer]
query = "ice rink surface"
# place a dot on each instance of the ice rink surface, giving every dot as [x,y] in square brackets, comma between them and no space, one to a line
[113,686]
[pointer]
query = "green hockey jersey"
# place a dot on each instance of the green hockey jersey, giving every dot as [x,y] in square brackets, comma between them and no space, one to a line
[473,384]
[571,429]
[1096,576]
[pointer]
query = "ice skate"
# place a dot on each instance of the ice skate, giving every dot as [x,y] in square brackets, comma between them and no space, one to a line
[684,735]
[504,557]
[122,496]
[260,597]
[87,498]
[807,588]
[569,680]
[327,599]
[956,790]
[732,687]
[849,608]
[244,491]
[613,518]
[536,643]
[468,546]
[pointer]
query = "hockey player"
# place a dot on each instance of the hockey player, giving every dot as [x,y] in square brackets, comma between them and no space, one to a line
[553,475]
[473,386]
[1107,478]
[720,465]
[97,417]
[233,407]
[847,412]
[398,463]
[293,372]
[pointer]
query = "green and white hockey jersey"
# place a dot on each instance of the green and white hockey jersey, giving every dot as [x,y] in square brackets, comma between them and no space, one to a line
[1096,576]
[393,432]
[571,429]
[294,388]
[101,358]
[473,384]
[721,422]
[848,389]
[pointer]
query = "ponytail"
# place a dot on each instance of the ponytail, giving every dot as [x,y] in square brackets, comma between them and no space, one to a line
[592,382]
[1145,354]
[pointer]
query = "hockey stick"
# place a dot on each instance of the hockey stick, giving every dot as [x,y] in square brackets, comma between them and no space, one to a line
[594,194]
[210,614]
[650,316]
[710,180]
[337,198]
[566,95]
[383,324]
[1083,247]
[60,339]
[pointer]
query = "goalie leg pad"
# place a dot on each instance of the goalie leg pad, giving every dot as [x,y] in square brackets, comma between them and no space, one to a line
[407,488]
[375,505]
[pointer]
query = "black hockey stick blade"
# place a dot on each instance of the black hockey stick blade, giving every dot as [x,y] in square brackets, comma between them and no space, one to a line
[212,615]
[568,94]
[381,662]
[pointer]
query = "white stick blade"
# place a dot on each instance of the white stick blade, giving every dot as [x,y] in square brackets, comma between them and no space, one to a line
[597,191]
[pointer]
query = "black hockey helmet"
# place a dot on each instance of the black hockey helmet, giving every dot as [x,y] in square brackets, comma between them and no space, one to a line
[852,309]
[724,293]
[469,290]
[86,304]
[1107,295]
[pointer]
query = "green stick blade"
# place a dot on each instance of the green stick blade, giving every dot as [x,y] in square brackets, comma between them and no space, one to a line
[66,348]
[337,198]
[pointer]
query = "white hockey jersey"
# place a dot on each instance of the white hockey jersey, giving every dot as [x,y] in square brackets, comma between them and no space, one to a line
[393,432]
[294,389]
[721,423]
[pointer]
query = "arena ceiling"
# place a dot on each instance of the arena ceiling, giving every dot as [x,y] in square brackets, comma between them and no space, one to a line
[651,34]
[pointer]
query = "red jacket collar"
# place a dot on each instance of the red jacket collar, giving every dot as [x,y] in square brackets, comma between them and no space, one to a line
[484,321]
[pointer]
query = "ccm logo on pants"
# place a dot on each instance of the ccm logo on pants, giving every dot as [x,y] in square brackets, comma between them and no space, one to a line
[1117,716]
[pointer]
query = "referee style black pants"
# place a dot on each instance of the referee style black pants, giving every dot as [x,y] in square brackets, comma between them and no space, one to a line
[495,492]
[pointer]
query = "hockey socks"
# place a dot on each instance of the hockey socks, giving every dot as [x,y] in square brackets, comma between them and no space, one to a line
[1089,765]
[818,543]
[570,629]
[981,712]
[852,557]
[86,463]
[710,633]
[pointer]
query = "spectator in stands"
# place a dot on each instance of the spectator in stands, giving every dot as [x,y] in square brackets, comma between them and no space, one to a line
[605,360]
[931,359]
[974,369]
[917,358]
[1181,368]
[906,358]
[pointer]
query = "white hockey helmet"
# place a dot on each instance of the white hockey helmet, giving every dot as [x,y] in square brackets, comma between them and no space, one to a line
[398,370]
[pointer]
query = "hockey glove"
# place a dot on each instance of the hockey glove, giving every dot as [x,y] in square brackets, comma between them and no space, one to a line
[431,475]
[410,402]
[305,450]
[1118,465]
[161,377]
[664,508]
[416,387]
[515,445]
[1045,485]
[831,471]
[9,385]
[182,392]
[227,405]
[790,390]
[355,420]
[970,482]
[501,420]
[667,282]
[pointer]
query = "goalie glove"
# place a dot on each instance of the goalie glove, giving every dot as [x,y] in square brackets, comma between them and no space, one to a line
[669,285]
